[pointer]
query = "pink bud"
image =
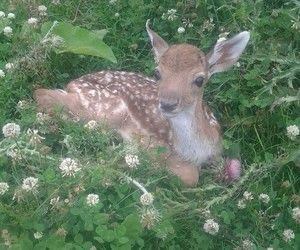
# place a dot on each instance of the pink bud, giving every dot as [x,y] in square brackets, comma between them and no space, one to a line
[232,170]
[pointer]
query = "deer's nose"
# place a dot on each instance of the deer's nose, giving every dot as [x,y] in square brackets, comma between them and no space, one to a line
[168,105]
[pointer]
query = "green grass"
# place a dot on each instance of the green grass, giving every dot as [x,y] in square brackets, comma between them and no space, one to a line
[255,103]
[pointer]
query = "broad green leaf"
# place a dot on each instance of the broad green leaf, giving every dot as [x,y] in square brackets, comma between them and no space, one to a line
[133,226]
[81,41]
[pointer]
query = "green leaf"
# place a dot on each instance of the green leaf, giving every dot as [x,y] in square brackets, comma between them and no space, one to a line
[81,41]
[108,235]
[78,238]
[133,226]
[100,219]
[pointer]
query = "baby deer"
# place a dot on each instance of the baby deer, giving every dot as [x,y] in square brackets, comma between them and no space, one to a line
[168,111]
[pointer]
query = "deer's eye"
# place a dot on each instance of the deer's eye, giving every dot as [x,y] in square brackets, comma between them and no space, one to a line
[157,75]
[199,81]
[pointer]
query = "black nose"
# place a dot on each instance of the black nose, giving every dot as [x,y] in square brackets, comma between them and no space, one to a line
[168,106]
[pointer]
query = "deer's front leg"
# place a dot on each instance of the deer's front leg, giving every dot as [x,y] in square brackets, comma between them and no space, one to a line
[187,173]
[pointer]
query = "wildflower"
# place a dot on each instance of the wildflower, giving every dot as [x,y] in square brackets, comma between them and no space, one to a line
[55,2]
[232,170]
[146,199]
[11,130]
[211,227]
[247,244]
[111,2]
[3,188]
[35,138]
[181,30]
[22,104]
[296,214]
[54,201]
[11,16]
[38,235]
[61,232]
[295,24]
[170,15]
[288,235]
[2,74]
[2,14]
[132,160]
[248,196]
[149,217]
[69,167]
[7,31]
[32,22]
[41,118]
[30,184]
[241,204]
[91,125]
[264,198]
[117,14]
[15,154]
[42,10]
[208,25]
[9,66]
[292,131]
[190,25]
[92,199]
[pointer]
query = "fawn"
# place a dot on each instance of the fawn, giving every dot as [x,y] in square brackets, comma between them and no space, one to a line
[167,111]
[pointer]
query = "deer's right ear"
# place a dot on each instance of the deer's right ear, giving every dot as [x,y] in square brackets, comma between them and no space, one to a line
[158,44]
[226,53]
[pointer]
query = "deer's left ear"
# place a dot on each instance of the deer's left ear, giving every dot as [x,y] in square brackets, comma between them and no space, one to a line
[226,53]
[158,44]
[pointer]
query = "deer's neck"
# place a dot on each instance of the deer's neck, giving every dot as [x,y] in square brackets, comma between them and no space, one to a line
[194,138]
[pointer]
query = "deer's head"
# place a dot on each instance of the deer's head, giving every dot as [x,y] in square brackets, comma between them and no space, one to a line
[183,69]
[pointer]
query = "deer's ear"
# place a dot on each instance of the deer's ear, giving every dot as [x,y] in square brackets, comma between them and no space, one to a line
[159,45]
[226,53]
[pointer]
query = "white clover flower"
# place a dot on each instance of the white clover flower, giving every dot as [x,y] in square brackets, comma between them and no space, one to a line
[41,118]
[170,15]
[132,161]
[181,30]
[22,104]
[264,198]
[149,217]
[15,154]
[61,232]
[91,125]
[111,2]
[42,10]
[248,245]
[190,25]
[211,227]
[30,184]
[35,138]
[55,2]
[54,201]
[38,235]
[248,196]
[296,214]
[292,131]
[11,130]
[92,199]
[7,31]
[11,16]
[2,74]
[9,66]
[296,24]
[2,14]
[288,235]
[32,22]
[3,188]
[69,167]
[117,14]
[241,204]
[146,199]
